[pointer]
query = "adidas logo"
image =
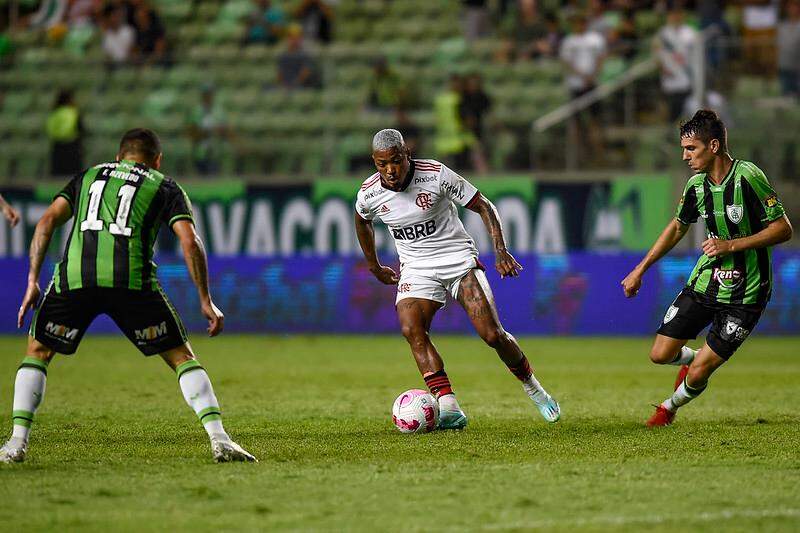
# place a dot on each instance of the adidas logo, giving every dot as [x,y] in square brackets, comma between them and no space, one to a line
[384,209]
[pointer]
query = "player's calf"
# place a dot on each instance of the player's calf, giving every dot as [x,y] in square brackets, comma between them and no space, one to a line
[199,394]
[668,355]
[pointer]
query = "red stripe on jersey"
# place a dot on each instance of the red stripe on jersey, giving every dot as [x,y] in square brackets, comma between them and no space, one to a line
[420,163]
[472,201]
[367,184]
[425,166]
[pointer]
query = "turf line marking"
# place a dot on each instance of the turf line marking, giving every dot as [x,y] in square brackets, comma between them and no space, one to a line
[625,520]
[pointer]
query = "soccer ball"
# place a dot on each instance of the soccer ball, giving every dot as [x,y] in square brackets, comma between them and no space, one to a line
[415,411]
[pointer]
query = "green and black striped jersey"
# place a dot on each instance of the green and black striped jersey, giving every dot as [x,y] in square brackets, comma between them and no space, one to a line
[743,204]
[117,210]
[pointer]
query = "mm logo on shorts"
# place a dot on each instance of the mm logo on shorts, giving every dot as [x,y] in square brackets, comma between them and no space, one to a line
[411,233]
[64,332]
[153,332]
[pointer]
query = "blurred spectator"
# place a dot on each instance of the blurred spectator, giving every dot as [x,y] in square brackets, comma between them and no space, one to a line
[789,50]
[387,89]
[65,131]
[118,37]
[552,40]
[80,13]
[151,41]
[266,23]
[475,15]
[716,31]
[601,20]
[452,141]
[316,18]
[49,14]
[675,46]
[759,29]
[208,132]
[412,133]
[475,103]
[626,37]
[296,69]
[582,54]
[526,33]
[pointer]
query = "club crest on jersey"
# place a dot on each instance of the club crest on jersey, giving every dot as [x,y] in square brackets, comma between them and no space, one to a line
[424,201]
[671,312]
[734,330]
[735,213]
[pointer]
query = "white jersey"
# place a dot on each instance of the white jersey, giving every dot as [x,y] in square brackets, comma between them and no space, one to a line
[423,218]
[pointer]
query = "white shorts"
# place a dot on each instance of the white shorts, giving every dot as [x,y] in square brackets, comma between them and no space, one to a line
[434,283]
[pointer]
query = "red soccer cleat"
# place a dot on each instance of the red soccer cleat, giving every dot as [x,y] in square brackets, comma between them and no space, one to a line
[681,376]
[662,417]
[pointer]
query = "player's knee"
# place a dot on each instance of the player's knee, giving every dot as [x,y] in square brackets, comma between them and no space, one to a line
[660,356]
[413,333]
[39,351]
[494,336]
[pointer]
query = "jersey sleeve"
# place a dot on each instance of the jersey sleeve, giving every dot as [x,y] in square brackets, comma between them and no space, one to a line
[363,210]
[177,205]
[456,188]
[70,191]
[762,198]
[687,211]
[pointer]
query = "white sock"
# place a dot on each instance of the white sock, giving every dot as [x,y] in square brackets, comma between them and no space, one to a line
[199,394]
[685,357]
[682,395]
[28,394]
[533,388]
[448,402]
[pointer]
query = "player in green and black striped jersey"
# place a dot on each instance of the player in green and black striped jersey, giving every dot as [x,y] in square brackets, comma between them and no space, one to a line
[732,281]
[117,209]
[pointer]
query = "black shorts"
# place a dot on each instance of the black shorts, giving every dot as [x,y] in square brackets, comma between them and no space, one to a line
[691,312]
[147,318]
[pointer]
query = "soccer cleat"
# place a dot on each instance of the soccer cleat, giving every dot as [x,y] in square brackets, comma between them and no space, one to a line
[452,420]
[13,451]
[547,405]
[681,376]
[662,417]
[225,450]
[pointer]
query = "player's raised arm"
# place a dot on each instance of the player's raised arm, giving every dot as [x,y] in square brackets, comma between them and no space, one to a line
[59,212]
[671,236]
[366,239]
[504,262]
[11,214]
[195,256]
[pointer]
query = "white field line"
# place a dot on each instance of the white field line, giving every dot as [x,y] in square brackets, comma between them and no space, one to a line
[652,519]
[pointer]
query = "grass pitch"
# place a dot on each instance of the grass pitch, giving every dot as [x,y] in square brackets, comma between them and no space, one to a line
[115,446]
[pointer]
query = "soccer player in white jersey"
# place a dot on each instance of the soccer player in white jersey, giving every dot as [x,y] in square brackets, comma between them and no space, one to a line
[416,199]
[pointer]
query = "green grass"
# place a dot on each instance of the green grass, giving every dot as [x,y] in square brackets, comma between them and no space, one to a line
[114,445]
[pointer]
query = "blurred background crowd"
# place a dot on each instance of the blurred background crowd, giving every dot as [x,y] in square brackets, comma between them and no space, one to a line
[285,89]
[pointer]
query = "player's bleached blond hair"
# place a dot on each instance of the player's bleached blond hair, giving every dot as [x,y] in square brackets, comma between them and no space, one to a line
[388,139]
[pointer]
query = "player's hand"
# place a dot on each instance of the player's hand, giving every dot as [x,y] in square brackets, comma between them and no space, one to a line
[505,264]
[216,320]
[29,301]
[631,284]
[716,247]
[11,214]
[385,275]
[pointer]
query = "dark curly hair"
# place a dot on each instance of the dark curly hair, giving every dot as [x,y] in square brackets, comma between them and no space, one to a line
[706,125]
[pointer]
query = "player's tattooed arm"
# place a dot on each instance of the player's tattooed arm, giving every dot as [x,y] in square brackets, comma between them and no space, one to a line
[504,262]
[55,215]
[366,239]
[194,254]
[672,235]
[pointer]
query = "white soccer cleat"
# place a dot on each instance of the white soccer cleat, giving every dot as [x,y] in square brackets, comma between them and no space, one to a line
[225,450]
[547,405]
[13,451]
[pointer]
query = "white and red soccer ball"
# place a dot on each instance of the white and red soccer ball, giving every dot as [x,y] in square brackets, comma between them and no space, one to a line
[415,411]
